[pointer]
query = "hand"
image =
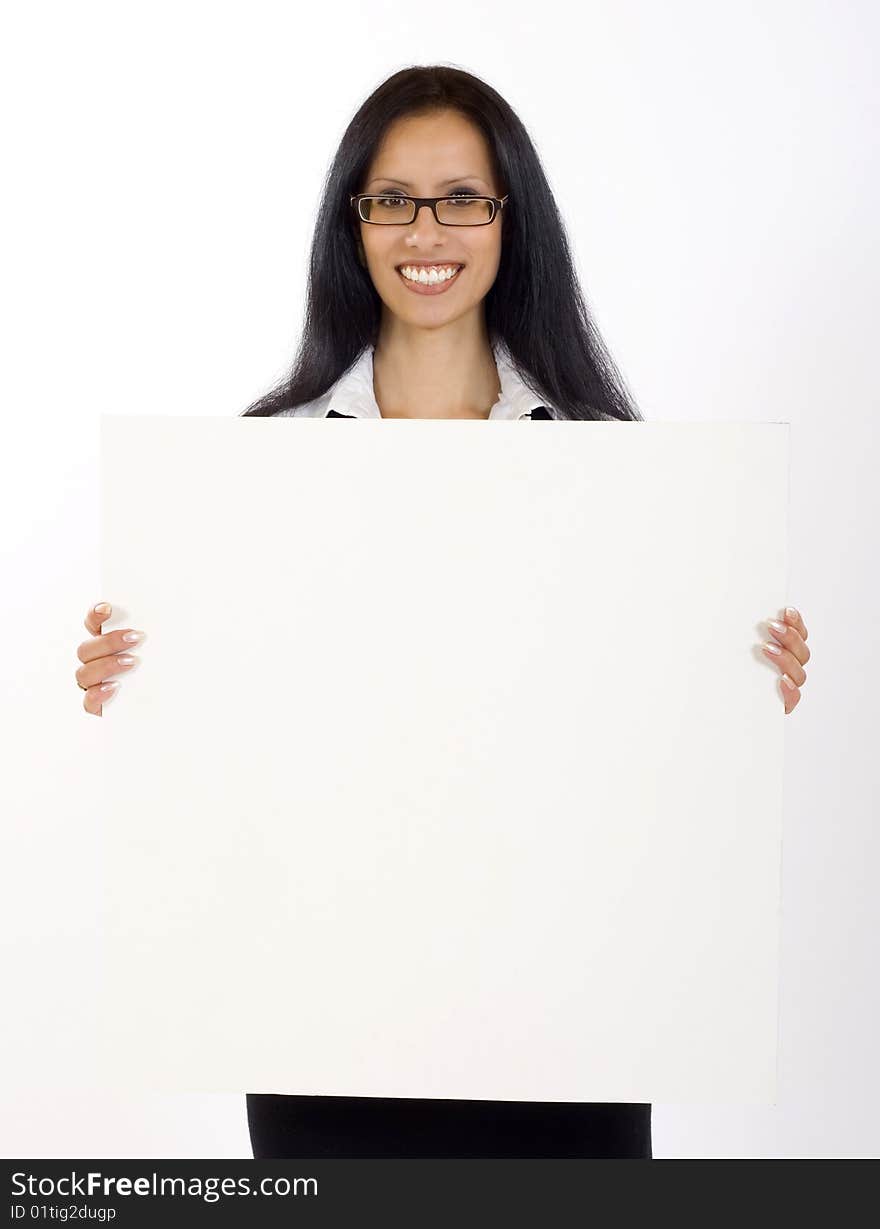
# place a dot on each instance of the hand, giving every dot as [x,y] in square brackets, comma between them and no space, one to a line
[102,657]
[791,654]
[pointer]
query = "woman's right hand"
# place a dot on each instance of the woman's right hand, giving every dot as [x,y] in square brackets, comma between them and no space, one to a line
[104,655]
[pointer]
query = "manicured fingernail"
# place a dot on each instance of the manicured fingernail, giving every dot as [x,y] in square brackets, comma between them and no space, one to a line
[133,637]
[788,683]
[791,612]
[103,608]
[108,687]
[125,659]
[779,627]
[772,648]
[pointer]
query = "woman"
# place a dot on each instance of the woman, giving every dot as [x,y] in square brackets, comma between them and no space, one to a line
[462,303]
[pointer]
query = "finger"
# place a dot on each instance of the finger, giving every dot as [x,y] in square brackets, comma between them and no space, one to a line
[102,668]
[96,697]
[120,640]
[790,694]
[787,662]
[97,615]
[793,617]
[790,638]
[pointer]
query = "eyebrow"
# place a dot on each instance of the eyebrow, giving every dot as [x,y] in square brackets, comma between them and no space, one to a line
[444,184]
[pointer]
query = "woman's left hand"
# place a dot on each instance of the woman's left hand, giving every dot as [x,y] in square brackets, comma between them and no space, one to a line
[790,654]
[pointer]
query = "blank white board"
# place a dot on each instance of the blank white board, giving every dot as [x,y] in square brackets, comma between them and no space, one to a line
[452,766]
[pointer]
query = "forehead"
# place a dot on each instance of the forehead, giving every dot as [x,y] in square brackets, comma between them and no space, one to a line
[431,147]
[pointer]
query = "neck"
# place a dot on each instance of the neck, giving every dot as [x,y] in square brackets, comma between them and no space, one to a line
[434,373]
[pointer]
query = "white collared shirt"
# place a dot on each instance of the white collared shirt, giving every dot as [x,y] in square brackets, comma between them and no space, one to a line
[353,395]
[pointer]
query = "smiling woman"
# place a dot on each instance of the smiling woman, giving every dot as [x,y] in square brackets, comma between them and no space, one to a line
[443,311]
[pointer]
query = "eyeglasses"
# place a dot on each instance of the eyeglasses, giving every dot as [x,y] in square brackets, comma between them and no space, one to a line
[447,210]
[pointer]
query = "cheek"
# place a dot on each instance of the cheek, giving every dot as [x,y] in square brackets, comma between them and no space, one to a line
[378,247]
[490,251]
[485,265]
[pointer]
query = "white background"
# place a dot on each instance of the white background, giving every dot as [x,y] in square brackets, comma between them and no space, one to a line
[716,167]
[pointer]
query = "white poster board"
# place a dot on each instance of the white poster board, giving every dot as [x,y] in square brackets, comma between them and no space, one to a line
[452,766]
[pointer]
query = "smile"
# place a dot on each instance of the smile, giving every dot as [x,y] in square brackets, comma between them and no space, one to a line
[429,279]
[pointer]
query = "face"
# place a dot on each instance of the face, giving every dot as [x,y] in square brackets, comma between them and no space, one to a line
[442,154]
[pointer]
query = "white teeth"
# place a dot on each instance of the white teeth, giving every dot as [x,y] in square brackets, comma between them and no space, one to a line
[427,277]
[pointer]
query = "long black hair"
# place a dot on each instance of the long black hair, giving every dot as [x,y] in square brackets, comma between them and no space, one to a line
[535,306]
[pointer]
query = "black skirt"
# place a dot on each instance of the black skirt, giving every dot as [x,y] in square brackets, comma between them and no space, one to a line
[283,1127]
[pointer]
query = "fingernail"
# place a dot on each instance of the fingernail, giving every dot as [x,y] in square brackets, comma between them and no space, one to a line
[779,627]
[108,687]
[103,608]
[125,659]
[791,612]
[133,637]
[772,648]
[788,683]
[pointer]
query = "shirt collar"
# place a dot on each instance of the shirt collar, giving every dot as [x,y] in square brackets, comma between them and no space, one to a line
[353,392]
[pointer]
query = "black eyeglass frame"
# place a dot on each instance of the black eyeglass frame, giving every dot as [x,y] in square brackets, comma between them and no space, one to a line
[433,201]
